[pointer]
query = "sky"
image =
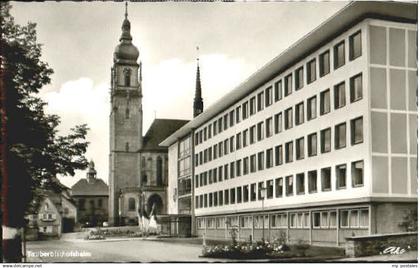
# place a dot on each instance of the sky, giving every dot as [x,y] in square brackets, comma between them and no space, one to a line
[235,40]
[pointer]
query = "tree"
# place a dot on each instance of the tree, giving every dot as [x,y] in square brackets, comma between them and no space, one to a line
[32,150]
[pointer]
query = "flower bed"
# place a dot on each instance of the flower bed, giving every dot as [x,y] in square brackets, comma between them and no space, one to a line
[268,250]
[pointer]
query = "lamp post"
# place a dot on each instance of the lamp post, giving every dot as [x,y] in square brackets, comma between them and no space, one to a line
[263,191]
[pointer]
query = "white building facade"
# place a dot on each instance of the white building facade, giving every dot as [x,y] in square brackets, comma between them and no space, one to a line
[321,143]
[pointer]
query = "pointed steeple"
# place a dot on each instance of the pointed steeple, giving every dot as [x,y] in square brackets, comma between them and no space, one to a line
[198,100]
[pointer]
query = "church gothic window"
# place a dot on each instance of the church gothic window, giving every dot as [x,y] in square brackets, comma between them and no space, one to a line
[159,180]
[127,113]
[127,77]
[131,204]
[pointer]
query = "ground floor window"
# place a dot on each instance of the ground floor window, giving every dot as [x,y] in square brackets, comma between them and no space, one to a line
[220,223]
[354,218]
[324,219]
[279,220]
[246,222]
[260,221]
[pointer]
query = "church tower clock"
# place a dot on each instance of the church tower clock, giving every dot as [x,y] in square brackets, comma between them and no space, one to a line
[125,120]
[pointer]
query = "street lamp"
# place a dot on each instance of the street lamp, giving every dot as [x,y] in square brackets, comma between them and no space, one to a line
[263,191]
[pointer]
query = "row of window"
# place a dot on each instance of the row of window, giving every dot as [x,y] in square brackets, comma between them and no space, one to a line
[265,97]
[274,125]
[325,219]
[287,186]
[274,156]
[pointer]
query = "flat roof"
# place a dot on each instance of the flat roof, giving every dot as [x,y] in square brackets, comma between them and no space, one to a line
[339,22]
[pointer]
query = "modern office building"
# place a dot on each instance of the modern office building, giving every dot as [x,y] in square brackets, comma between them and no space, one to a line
[320,143]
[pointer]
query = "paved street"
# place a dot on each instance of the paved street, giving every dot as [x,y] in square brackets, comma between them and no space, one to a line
[113,251]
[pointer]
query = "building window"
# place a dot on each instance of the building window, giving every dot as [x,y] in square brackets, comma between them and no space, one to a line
[215,128]
[131,204]
[246,193]
[299,78]
[311,71]
[238,141]
[339,55]
[356,130]
[232,143]
[260,131]
[245,138]
[288,118]
[333,219]
[245,110]
[238,167]
[253,161]
[288,85]
[226,171]
[340,172]
[226,197]
[278,91]
[344,219]
[260,101]
[232,196]
[270,189]
[246,165]
[279,187]
[220,198]
[326,179]
[324,63]
[289,185]
[299,114]
[232,170]
[209,130]
[312,181]
[289,152]
[231,118]
[326,140]
[356,88]
[269,158]
[355,42]
[300,148]
[278,123]
[311,108]
[253,192]
[325,102]
[210,199]
[220,124]
[226,146]
[339,95]
[357,173]
[279,154]
[252,106]
[340,136]
[238,114]
[300,183]
[316,219]
[268,96]
[269,127]
[261,160]
[364,218]
[312,144]
[239,194]
[225,121]
[260,187]
[252,134]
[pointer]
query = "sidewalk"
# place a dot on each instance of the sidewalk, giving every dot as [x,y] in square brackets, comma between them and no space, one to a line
[410,256]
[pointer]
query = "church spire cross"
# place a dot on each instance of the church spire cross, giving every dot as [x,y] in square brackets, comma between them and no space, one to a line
[126,13]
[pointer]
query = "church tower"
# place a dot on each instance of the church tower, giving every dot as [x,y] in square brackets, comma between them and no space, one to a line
[198,100]
[126,118]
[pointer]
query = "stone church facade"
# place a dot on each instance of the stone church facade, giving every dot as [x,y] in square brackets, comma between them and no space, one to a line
[138,170]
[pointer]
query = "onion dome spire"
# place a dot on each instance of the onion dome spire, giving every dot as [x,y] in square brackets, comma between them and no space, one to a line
[198,100]
[126,51]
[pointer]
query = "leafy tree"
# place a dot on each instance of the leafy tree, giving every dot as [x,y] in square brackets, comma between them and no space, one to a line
[33,153]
